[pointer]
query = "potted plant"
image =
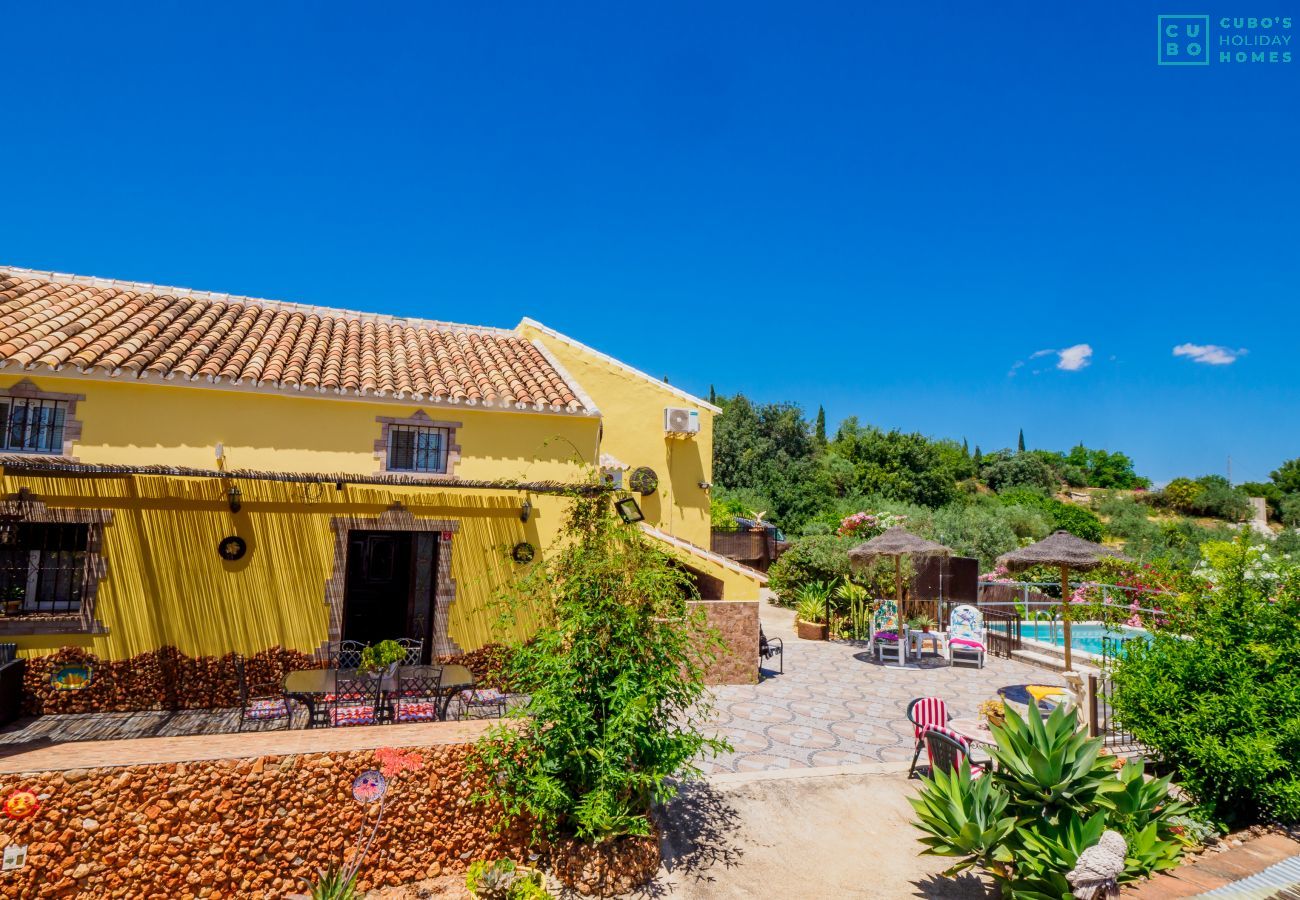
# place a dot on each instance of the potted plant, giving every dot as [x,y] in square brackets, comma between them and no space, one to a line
[810,612]
[994,712]
[382,657]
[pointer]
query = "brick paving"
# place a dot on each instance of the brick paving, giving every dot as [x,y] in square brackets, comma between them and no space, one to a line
[835,705]
[1213,870]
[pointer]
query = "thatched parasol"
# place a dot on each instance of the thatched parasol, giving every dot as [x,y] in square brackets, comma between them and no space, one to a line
[896,542]
[1065,551]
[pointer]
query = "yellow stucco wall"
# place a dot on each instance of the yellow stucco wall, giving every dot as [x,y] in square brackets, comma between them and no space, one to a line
[144,422]
[632,408]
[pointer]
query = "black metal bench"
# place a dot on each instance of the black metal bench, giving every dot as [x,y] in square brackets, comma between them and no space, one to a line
[768,648]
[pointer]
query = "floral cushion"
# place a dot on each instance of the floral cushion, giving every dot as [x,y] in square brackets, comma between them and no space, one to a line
[484,696]
[966,642]
[268,708]
[417,712]
[891,636]
[352,715]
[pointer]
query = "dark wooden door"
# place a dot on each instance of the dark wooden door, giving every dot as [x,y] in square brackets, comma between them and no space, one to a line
[377,602]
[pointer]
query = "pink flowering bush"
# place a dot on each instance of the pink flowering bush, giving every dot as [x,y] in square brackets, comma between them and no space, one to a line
[869,524]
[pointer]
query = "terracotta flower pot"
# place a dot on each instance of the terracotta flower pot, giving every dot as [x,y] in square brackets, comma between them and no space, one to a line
[810,631]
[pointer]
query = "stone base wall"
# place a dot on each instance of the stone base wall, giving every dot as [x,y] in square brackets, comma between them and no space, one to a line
[737,623]
[168,679]
[247,828]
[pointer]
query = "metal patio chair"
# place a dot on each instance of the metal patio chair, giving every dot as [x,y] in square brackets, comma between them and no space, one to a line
[263,702]
[946,749]
[356,698]
[419,694]
[414,650]
[923,713]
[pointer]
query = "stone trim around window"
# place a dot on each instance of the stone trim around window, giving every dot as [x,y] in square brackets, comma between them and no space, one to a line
[395,519]
[94,571]
[28,390]
[421,419]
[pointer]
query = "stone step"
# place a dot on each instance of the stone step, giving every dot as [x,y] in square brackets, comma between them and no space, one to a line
[1048,661]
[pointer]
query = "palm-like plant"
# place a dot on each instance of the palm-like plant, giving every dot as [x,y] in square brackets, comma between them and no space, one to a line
[858,600]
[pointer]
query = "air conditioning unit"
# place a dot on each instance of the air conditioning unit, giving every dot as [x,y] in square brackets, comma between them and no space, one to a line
[679,420]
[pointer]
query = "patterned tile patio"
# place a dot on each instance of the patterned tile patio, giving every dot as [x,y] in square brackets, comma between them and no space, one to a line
[835,705]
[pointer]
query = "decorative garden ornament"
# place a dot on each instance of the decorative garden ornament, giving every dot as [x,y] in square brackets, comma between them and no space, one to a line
[1095,874]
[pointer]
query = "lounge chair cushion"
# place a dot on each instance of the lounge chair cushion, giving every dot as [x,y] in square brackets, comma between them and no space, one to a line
[886,636]
[966,642]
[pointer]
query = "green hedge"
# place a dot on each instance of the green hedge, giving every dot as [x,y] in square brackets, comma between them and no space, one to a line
[1220,700]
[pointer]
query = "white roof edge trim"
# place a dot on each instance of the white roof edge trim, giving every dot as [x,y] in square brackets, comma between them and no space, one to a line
[583,397]
[721,560]
[605,357]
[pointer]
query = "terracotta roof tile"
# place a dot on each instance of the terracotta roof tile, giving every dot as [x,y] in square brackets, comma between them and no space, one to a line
[128,330]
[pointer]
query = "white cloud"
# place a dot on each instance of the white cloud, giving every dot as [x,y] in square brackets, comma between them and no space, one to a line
[1210,354]
[1072,359]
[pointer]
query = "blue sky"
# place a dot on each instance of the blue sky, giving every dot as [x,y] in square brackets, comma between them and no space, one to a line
[878,208]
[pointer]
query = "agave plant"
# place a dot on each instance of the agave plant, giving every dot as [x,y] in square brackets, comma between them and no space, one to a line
[1050,797]
[964,817]
[334,883]
[1050,766]
[811,602]
[1046,851]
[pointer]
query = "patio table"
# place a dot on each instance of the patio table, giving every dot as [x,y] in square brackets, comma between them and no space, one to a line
[916,642]
[311,687]
[974,729]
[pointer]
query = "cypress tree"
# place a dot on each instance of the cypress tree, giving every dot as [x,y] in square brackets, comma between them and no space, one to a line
[979,458]
[965,448]
[1020,444]
[821,427]
[713,396]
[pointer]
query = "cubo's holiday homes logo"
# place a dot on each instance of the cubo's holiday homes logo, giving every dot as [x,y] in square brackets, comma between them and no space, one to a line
[1199,40]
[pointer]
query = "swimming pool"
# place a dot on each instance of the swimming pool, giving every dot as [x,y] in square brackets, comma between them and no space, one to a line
[1083,635]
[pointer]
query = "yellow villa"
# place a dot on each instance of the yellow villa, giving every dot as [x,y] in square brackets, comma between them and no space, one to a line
[224,474]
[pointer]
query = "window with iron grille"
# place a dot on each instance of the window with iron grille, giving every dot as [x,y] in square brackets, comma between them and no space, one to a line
[32,425]
[416,448]
[43,566]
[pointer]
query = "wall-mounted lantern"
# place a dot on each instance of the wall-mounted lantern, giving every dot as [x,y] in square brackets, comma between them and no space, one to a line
[235,497]
[525,511]
[629,510]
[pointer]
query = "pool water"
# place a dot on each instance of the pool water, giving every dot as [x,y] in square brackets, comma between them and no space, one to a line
[1083,636]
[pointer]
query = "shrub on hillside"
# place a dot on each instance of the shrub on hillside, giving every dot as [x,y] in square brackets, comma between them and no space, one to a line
[814,558]
[1020,470]
[1221,700]
[1210,496]
[1062,516]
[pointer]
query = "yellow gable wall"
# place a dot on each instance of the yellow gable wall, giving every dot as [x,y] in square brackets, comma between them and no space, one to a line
[632,409]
